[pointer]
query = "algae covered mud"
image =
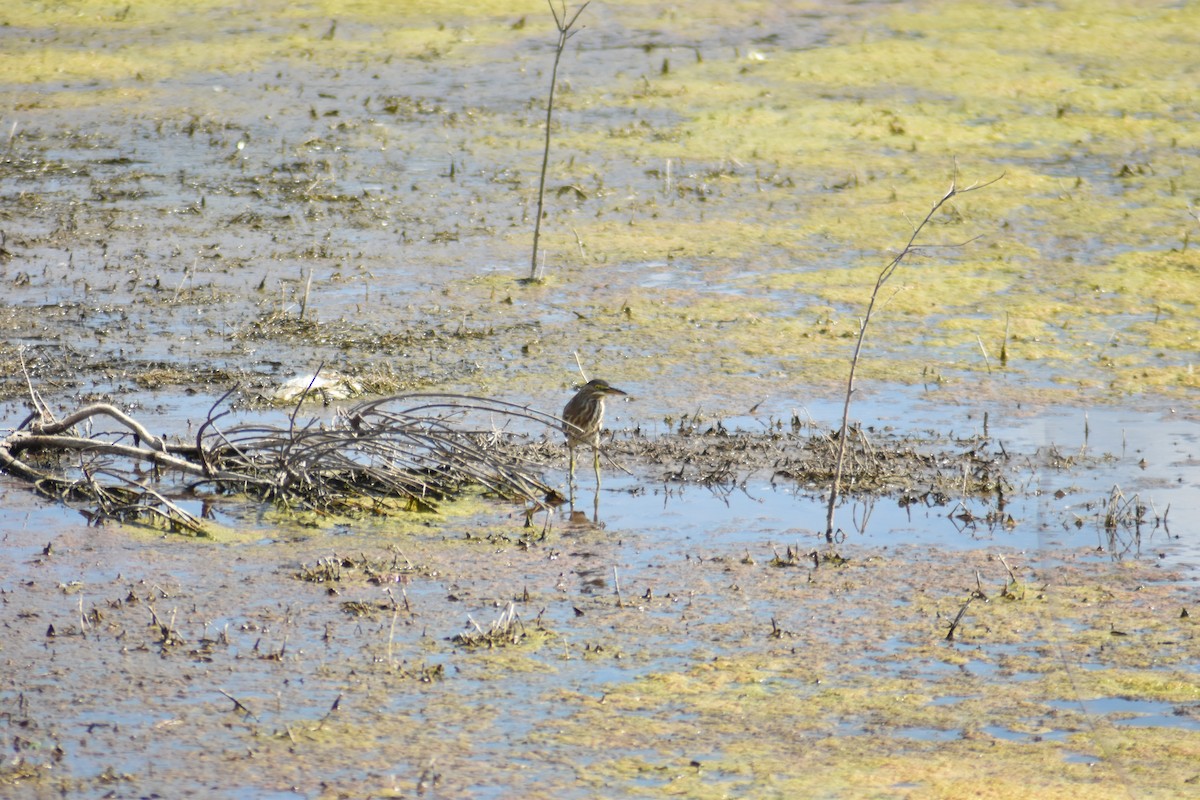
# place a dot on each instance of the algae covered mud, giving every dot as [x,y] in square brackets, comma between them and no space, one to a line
[195,196]
[703,642]
[725,183]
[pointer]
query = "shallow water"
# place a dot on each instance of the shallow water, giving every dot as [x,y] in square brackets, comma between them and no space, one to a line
[157,220]
[1073,459]
[250,630]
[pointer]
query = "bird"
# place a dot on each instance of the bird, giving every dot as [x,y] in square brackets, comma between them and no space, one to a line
[582,417]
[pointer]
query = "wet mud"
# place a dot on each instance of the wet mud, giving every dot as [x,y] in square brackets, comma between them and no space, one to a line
[203,197]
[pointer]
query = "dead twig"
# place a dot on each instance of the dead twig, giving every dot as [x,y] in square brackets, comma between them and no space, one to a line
[884,275]
[564,26]
[397,453]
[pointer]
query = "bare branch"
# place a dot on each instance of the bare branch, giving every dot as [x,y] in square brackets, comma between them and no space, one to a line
[564,26]
[417,449]
[884,274]
[53,427]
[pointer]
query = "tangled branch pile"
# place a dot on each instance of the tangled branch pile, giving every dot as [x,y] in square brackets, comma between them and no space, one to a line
[407,452]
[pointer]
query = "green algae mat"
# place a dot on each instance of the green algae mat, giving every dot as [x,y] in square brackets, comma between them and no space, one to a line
[201,195]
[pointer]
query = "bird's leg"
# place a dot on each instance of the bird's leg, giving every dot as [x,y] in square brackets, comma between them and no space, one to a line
[596,464]
[571,479]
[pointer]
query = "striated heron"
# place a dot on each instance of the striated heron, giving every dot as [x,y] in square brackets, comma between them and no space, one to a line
[582,418]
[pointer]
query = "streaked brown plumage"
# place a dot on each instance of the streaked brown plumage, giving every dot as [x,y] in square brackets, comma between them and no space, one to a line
[582,417]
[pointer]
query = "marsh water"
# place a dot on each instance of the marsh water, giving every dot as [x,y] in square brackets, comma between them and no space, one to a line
[205,196]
